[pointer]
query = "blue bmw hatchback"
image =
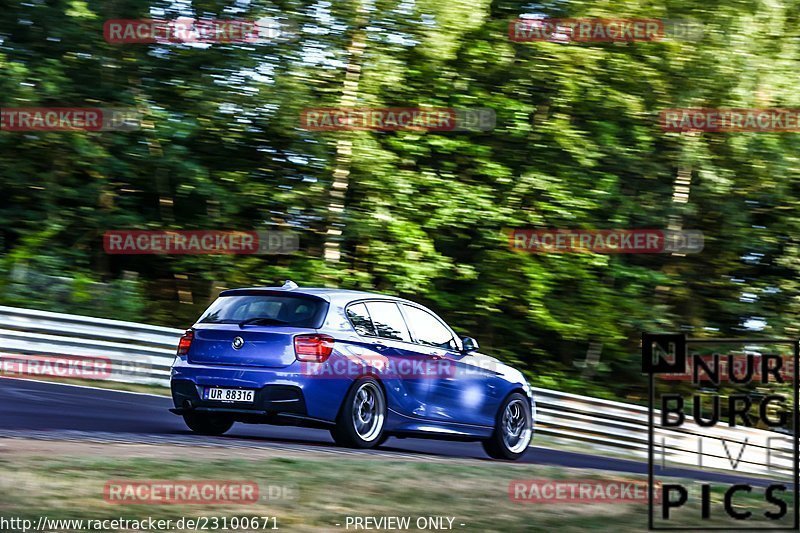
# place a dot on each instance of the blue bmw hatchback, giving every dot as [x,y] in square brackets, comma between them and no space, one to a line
[365,366]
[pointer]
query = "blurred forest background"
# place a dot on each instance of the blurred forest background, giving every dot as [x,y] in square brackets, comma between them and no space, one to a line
[577,145]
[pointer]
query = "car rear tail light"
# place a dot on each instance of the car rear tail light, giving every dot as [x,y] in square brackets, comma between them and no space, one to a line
[186,342]
[313,348]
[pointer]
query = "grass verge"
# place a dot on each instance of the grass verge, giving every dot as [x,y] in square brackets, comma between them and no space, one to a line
[326,491]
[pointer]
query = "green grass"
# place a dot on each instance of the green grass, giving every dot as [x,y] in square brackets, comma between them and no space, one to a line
[327,491]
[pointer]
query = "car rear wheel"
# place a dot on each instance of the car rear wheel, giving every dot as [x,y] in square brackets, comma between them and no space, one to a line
[513,429]
[362,417]
[207,423]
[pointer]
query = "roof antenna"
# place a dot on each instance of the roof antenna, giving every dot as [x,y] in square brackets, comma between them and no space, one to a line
[289,285]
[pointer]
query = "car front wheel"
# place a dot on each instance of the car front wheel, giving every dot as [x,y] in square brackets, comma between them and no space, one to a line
[513,429]
[208,424]
[361,420]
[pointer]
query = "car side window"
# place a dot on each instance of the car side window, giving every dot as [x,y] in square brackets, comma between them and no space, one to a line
[360,319]
[388,321]
[428,329]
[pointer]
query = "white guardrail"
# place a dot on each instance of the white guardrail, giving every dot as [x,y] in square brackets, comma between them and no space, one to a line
[141,353]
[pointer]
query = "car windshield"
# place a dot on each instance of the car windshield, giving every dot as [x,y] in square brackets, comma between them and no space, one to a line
[267,310]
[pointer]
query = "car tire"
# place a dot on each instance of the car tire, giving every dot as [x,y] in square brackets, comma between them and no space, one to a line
[513,429]
[362,416]
[208,424]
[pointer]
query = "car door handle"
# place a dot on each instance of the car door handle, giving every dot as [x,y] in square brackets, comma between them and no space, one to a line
[379,346]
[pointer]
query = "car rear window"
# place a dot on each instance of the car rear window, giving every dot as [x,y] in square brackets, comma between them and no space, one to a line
[278,310]
[388,321]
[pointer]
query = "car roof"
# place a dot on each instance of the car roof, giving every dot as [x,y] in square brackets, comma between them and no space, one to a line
[339,296]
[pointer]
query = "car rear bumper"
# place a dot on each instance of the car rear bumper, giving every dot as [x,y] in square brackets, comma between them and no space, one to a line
[187,395]
[284,393]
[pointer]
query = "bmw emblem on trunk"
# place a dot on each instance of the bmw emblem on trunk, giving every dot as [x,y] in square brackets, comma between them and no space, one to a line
[238,342]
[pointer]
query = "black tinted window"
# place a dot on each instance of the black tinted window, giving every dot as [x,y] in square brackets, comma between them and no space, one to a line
[388,321]
[291,310]
[360,319]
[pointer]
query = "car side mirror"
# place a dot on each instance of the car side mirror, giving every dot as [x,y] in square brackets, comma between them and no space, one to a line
[469,344]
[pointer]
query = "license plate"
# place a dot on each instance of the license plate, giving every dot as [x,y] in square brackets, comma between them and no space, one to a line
[230,395]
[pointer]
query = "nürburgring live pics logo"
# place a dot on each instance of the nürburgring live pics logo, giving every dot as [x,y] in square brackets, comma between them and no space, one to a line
[755,389]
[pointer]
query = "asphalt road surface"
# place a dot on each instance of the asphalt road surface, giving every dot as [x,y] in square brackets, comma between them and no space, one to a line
[43,410]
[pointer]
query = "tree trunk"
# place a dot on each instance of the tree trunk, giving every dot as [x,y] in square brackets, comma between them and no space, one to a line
[344,146]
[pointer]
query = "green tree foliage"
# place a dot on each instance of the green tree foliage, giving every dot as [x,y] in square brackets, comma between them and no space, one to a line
[577,145]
